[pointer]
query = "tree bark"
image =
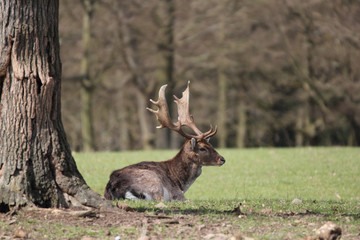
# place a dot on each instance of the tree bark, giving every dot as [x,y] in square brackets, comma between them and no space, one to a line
[36,166]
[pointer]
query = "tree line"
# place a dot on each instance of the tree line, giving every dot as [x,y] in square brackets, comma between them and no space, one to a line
[267,73]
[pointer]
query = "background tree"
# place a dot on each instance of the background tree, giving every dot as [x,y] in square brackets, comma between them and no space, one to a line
[36,166]
[88,83]
[289,68]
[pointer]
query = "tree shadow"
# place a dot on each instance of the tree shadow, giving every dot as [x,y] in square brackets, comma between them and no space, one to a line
[237,212]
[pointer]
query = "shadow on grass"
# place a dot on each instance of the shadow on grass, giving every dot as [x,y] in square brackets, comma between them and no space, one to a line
[261,208]
[203,211]
[185,211]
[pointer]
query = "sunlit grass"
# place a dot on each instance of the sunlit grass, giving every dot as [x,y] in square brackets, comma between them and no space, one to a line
[263,182]
[263,173]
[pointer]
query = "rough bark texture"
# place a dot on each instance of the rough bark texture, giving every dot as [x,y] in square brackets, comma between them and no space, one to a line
[36,166]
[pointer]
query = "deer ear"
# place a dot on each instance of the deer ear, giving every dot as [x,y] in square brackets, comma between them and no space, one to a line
[193,143]
[208,140]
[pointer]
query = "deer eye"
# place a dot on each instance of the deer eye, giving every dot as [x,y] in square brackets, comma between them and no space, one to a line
[202,149]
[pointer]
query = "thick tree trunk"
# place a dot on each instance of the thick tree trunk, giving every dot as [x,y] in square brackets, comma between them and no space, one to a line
[36,166]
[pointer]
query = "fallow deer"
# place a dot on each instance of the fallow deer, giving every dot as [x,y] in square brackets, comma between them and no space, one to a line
[167,180]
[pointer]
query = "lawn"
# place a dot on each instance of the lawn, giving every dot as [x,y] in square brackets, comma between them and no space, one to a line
[320,174]
[250,196]
[263,180]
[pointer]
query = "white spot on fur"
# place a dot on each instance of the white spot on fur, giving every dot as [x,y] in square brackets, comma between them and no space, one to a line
[129,195]
[147,197]
[166,195]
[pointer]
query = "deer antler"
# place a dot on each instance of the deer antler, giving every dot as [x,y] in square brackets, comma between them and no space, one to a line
[184,119]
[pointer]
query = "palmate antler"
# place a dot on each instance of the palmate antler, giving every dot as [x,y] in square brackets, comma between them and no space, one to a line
[184,119]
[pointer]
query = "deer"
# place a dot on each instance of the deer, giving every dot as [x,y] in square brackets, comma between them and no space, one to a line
[167,180]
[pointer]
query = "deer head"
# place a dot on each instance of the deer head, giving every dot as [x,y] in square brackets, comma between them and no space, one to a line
[203,153]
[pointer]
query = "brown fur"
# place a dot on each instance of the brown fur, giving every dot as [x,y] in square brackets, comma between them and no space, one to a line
[167,180]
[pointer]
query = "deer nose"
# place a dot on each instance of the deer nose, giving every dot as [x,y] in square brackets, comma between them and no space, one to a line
[222,160]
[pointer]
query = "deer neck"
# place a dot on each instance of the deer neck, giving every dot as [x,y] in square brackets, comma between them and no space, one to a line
[184,170]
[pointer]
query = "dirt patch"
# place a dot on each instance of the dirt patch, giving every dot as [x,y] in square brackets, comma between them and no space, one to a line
[68,224]
[160,224]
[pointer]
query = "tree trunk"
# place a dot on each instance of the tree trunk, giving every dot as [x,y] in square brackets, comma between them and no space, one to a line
[299,128]
[87,125]
[169,56]
[222,87]
[87,84]
[36,166]
[166,47]
[124,131]
[146,135]
[221,118]
[241,128]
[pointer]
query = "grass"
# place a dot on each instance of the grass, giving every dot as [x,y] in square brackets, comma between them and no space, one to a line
[322,174]
[264,181]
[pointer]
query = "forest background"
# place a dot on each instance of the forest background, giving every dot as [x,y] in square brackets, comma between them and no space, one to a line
[267,73]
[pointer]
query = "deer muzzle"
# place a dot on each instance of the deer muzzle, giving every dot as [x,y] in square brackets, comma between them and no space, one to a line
[221,161]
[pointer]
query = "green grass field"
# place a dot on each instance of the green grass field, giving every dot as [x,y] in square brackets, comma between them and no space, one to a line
[320,174]
[262,181]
